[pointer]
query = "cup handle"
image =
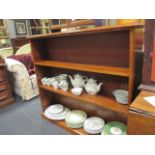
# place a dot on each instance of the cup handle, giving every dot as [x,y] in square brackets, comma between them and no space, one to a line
[85,77]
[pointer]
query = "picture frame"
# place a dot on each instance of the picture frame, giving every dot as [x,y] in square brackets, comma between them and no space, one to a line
[21,27]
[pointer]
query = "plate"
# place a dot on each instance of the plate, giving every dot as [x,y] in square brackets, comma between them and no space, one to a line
[55,109]
[120,92]
[76,117]
[79,125]
[60,116]
[114,128]
[121,101]
[94,125]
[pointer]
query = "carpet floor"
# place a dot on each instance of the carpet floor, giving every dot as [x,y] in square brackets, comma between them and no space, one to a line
[23,118]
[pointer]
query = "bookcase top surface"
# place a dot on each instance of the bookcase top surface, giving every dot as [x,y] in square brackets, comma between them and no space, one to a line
[90,31]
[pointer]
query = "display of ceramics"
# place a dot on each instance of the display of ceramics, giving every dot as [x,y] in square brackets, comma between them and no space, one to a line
[63,77]
[45,81]
[64,85]
[56,116]
[91,87]
[94,125]
[77,91]
[78,81]
[75,118]
[55,109]
[121,96]
[114,128]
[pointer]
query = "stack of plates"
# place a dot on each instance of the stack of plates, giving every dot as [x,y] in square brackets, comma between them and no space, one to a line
[121,96]
[75,118]
[114,128]
[56,112]
[94,125]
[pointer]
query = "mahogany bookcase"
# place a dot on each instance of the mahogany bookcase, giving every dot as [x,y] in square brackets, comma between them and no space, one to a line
[103,53]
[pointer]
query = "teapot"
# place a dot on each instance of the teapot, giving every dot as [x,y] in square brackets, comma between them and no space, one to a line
[64,85]
[78,81]
[92,88]
[63,77]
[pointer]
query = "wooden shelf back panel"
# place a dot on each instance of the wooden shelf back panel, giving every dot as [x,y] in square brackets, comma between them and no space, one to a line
[98,100]
[120,71]
[108,49]
[62,124]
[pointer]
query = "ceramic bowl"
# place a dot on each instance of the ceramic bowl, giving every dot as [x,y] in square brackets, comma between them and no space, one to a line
[77,91]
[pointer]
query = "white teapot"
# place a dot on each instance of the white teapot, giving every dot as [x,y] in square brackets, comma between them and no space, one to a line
[64,85]
[78,81]
[92,88]
[63,77]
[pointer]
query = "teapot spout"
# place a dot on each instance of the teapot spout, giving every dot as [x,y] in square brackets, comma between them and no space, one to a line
[71,79]
[99,86]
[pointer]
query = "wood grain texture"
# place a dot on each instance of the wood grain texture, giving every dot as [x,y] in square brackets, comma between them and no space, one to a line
[140,124]
[141,105]
[6,97]
[101,101]
[105,54]
[120,71]
[141,117]
[148,49]
[131,66]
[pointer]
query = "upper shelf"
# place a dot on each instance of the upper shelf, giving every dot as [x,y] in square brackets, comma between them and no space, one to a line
[90,31]
[120,71]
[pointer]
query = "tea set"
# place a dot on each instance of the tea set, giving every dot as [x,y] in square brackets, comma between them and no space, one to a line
[78,82]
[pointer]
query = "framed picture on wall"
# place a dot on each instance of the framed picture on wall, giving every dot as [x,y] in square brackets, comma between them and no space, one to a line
[21,27]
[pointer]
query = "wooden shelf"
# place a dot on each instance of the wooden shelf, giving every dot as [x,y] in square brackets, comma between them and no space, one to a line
[91,31]
[102,101]
[62,124]
[73,24]
[118,49]
[120,71]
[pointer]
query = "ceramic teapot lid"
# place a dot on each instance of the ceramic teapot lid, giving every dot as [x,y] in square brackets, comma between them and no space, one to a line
[92,80]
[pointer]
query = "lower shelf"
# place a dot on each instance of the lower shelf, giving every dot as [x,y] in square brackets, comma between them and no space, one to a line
[62,124]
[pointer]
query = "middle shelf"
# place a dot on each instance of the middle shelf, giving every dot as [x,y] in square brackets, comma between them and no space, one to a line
[102,101]
[119,71]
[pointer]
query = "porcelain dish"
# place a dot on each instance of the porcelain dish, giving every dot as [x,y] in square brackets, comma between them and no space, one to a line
[60,116]
[114,128]
[121,96]
[75,118]
[120,92]
[55,109]
[94,125]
